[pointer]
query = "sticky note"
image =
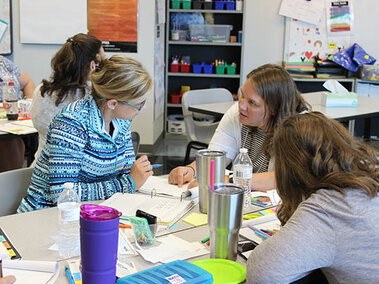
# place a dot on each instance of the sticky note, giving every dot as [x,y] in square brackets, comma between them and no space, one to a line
[7,246]
[251,216]
[11,253]
[2,238]
[196,219]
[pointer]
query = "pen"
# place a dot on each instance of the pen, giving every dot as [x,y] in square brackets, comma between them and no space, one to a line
[266,232]
[1,268]
[259,232]
[153,165]
[68,274]
[205,240]
[259,204]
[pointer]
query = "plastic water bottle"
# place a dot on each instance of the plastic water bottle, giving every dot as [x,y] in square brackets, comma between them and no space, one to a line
[242,174]
[69,210]
[10,98]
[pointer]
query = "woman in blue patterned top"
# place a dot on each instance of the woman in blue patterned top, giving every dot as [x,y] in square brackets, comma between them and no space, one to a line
[89,143]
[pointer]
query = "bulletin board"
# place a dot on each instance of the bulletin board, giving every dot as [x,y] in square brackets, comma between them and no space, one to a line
[5,27]
[304,41]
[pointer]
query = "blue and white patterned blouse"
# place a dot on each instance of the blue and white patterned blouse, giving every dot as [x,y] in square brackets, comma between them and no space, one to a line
[8,68]
[79,150]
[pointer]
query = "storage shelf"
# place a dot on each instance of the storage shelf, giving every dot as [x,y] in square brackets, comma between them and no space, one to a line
[323,79]
[237,76]
[205,11]
[175,105]
[183,42]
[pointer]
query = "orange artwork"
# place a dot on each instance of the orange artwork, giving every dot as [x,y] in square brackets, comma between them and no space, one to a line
[113,21]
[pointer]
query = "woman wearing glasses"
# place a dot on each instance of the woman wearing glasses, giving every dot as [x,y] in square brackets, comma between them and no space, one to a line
[69,81]
[268,96]
[89,142]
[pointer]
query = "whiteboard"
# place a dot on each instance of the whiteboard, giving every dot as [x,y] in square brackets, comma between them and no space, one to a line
[51,21]
[5,27]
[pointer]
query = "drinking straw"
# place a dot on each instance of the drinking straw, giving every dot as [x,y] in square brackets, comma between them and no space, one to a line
[212,175]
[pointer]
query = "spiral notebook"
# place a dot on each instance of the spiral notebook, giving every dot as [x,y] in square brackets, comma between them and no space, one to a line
[168,210]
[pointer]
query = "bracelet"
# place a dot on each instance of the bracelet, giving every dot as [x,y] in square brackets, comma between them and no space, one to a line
[194,171]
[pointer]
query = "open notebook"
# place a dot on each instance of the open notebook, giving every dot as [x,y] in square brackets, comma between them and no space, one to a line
[159,186]
[168,210]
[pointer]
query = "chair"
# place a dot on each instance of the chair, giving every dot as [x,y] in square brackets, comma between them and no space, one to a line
[13,188]
[12,152]
[200,127]
[135,141]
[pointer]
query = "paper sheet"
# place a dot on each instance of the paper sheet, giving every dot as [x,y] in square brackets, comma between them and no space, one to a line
[306,11]
[32,272]
[249,233]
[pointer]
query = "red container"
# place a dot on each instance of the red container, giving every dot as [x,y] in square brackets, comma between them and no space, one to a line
[185,68]
[174,67]
[175,98]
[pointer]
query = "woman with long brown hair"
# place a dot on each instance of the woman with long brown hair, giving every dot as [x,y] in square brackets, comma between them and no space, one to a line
[328,183]
[267,97]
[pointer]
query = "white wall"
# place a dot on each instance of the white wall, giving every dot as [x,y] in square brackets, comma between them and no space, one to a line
[35,60]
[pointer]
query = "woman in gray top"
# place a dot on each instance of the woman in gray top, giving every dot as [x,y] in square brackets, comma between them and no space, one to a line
[328,183]
[69,81]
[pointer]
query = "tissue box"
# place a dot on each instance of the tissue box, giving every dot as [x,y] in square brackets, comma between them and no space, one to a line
[340,99]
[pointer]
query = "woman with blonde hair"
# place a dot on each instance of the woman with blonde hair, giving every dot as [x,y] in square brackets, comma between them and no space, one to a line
[328,183]
[89,142]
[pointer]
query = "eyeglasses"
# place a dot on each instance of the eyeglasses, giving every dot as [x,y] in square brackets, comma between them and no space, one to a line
[137,107]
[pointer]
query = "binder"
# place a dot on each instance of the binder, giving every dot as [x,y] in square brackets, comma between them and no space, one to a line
[168,210]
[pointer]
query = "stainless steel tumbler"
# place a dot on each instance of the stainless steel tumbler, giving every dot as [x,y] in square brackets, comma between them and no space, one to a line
[203,170]
[225,219]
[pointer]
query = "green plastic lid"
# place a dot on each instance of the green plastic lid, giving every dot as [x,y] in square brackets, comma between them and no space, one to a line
[223,270]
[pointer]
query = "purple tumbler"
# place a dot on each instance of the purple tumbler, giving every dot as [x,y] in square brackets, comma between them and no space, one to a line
[98,243]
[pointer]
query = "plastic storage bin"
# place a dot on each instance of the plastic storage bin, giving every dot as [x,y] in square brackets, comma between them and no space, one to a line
[212,33]
[175,98]
[196,4]
[175,124]
[208,69]
[207,4]
[174,67]
[186,4]
[370,72]
[185,68]
[231,69]
[219,5]
[220,69]
[196,68]
[175,4]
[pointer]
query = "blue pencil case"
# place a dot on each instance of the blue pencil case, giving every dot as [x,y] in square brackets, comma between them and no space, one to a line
[178,270]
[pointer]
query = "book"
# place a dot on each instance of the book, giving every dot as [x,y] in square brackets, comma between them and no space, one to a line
[32,272]
[168,210]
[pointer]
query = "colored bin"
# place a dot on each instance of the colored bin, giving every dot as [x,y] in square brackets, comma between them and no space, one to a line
[208,69]
[231,69]
[175,4]
[174,67]
[186,4]
[230,5]
[219,5]
[185,68]
[197,68]
[220,69]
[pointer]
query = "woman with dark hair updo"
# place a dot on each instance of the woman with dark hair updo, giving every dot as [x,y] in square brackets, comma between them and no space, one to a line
[69,81]
[329,211]
[89,142]
[268,96]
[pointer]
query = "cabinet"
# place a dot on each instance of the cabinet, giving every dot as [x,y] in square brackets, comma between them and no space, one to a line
[315,85]
[199,51]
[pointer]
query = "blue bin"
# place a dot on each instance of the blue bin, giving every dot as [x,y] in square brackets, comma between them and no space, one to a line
[230,5]
[219,5]
[208,69]
[196,68]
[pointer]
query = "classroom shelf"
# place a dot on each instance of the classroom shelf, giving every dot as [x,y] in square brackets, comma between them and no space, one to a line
[198,52]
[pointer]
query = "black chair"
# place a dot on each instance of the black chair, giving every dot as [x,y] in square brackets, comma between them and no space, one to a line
[135,141]
[196,145]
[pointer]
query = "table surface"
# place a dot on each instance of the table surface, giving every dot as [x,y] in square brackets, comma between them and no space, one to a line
[33,233]
[367,107]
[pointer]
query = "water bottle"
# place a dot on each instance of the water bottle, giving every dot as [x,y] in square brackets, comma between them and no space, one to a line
[242,173]
[69,210]
[10,97]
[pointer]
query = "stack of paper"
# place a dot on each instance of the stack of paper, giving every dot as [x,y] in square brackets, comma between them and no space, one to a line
[269,222]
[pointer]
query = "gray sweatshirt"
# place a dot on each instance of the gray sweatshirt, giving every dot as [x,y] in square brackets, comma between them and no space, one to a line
[337,233]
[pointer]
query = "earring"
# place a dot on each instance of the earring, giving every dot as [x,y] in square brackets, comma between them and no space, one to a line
[112,107]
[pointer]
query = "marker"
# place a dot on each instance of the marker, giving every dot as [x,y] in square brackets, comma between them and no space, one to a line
[125,226]
[267,232]
[205,240]
[153,165]
[69,276]
[259,204]
[259,232]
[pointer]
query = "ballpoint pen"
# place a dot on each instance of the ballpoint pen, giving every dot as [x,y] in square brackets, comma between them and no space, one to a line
[153,166]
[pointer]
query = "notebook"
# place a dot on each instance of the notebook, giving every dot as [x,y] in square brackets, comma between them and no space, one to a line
[7,249]
[168,210]
[159,186]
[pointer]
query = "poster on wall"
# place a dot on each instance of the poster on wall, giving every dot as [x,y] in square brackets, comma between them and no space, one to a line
[115,23]
[5,27]
[305,41]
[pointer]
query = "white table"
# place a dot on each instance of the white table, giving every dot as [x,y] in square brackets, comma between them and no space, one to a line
[367,108]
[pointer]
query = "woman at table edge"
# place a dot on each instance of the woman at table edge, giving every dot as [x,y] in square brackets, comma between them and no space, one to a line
[268,96]
[89,142]
[328,184]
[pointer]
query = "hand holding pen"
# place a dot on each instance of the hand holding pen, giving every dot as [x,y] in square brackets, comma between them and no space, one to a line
[141,171]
